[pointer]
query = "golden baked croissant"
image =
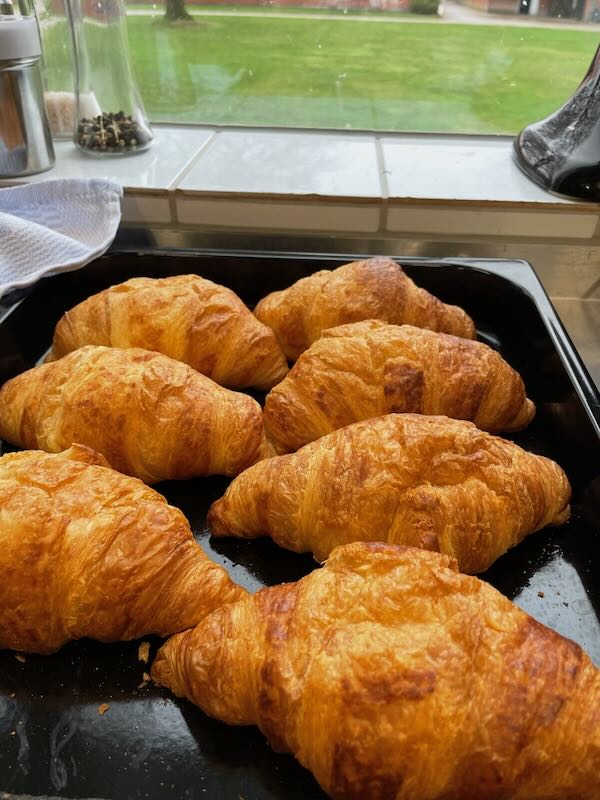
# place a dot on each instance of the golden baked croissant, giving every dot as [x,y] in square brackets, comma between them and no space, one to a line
[431,482]
[88,552]
[389,675]
[185,317]
[365,369]
[372,289]
[149,415]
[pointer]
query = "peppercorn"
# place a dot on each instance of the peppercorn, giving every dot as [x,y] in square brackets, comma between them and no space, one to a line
[111,132]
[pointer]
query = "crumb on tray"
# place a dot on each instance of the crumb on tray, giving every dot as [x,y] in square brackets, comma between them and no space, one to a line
[145,679]
[144,652]
[103,708]
[540,594]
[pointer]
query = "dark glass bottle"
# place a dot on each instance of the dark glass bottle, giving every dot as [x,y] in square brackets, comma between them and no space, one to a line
[562,152]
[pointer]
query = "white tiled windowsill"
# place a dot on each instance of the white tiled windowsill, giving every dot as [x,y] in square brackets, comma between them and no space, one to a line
[321,190]
[336,182]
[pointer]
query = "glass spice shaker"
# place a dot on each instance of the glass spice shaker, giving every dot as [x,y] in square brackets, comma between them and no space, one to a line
[25,142]
[57,66]
[110,117]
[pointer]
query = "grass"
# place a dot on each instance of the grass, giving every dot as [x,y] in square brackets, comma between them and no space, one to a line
[360,75]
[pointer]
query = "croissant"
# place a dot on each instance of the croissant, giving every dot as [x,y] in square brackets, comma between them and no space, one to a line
[372,289]
[365,369]
[431,482]
[389,675]
[149,415]
[185,317]
[88,552]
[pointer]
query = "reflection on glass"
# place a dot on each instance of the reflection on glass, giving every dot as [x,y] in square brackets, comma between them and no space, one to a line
[399,65]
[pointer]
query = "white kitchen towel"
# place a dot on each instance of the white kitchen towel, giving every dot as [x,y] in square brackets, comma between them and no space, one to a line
[55,226]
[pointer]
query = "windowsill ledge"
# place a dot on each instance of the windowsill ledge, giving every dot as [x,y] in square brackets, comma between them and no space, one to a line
[336,182]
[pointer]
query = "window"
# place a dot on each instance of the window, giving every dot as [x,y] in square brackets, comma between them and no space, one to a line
[483,66]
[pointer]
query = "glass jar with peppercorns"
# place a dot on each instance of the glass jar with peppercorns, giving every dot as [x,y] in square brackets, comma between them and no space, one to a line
[110,119]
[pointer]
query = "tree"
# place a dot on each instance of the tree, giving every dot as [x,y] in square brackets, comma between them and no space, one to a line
[175,11]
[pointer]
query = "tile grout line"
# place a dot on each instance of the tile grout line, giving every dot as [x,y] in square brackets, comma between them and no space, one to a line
[385,189]
[383,184]
[187,167]
[571,299]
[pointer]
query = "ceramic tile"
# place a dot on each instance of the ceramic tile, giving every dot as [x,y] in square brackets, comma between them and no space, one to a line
[581,318]
[575,275]
[465,221]
[145,208]
[156,168]
[288,163]
[456,169]
[215,212]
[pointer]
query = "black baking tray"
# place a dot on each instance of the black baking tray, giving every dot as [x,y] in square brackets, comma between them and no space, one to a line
[53,741]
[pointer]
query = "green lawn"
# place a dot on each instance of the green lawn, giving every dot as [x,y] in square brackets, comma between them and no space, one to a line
[357,75]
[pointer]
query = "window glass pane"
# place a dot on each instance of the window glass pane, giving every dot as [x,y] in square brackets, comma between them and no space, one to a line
[388,65]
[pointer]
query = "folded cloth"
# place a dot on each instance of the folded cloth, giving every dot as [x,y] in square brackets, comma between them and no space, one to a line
[55,226]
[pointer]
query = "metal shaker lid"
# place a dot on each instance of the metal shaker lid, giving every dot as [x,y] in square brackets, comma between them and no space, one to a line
[19,38]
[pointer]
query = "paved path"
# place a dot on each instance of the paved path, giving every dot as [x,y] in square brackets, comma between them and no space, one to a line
[451,12]
[337,17]
[455,12]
